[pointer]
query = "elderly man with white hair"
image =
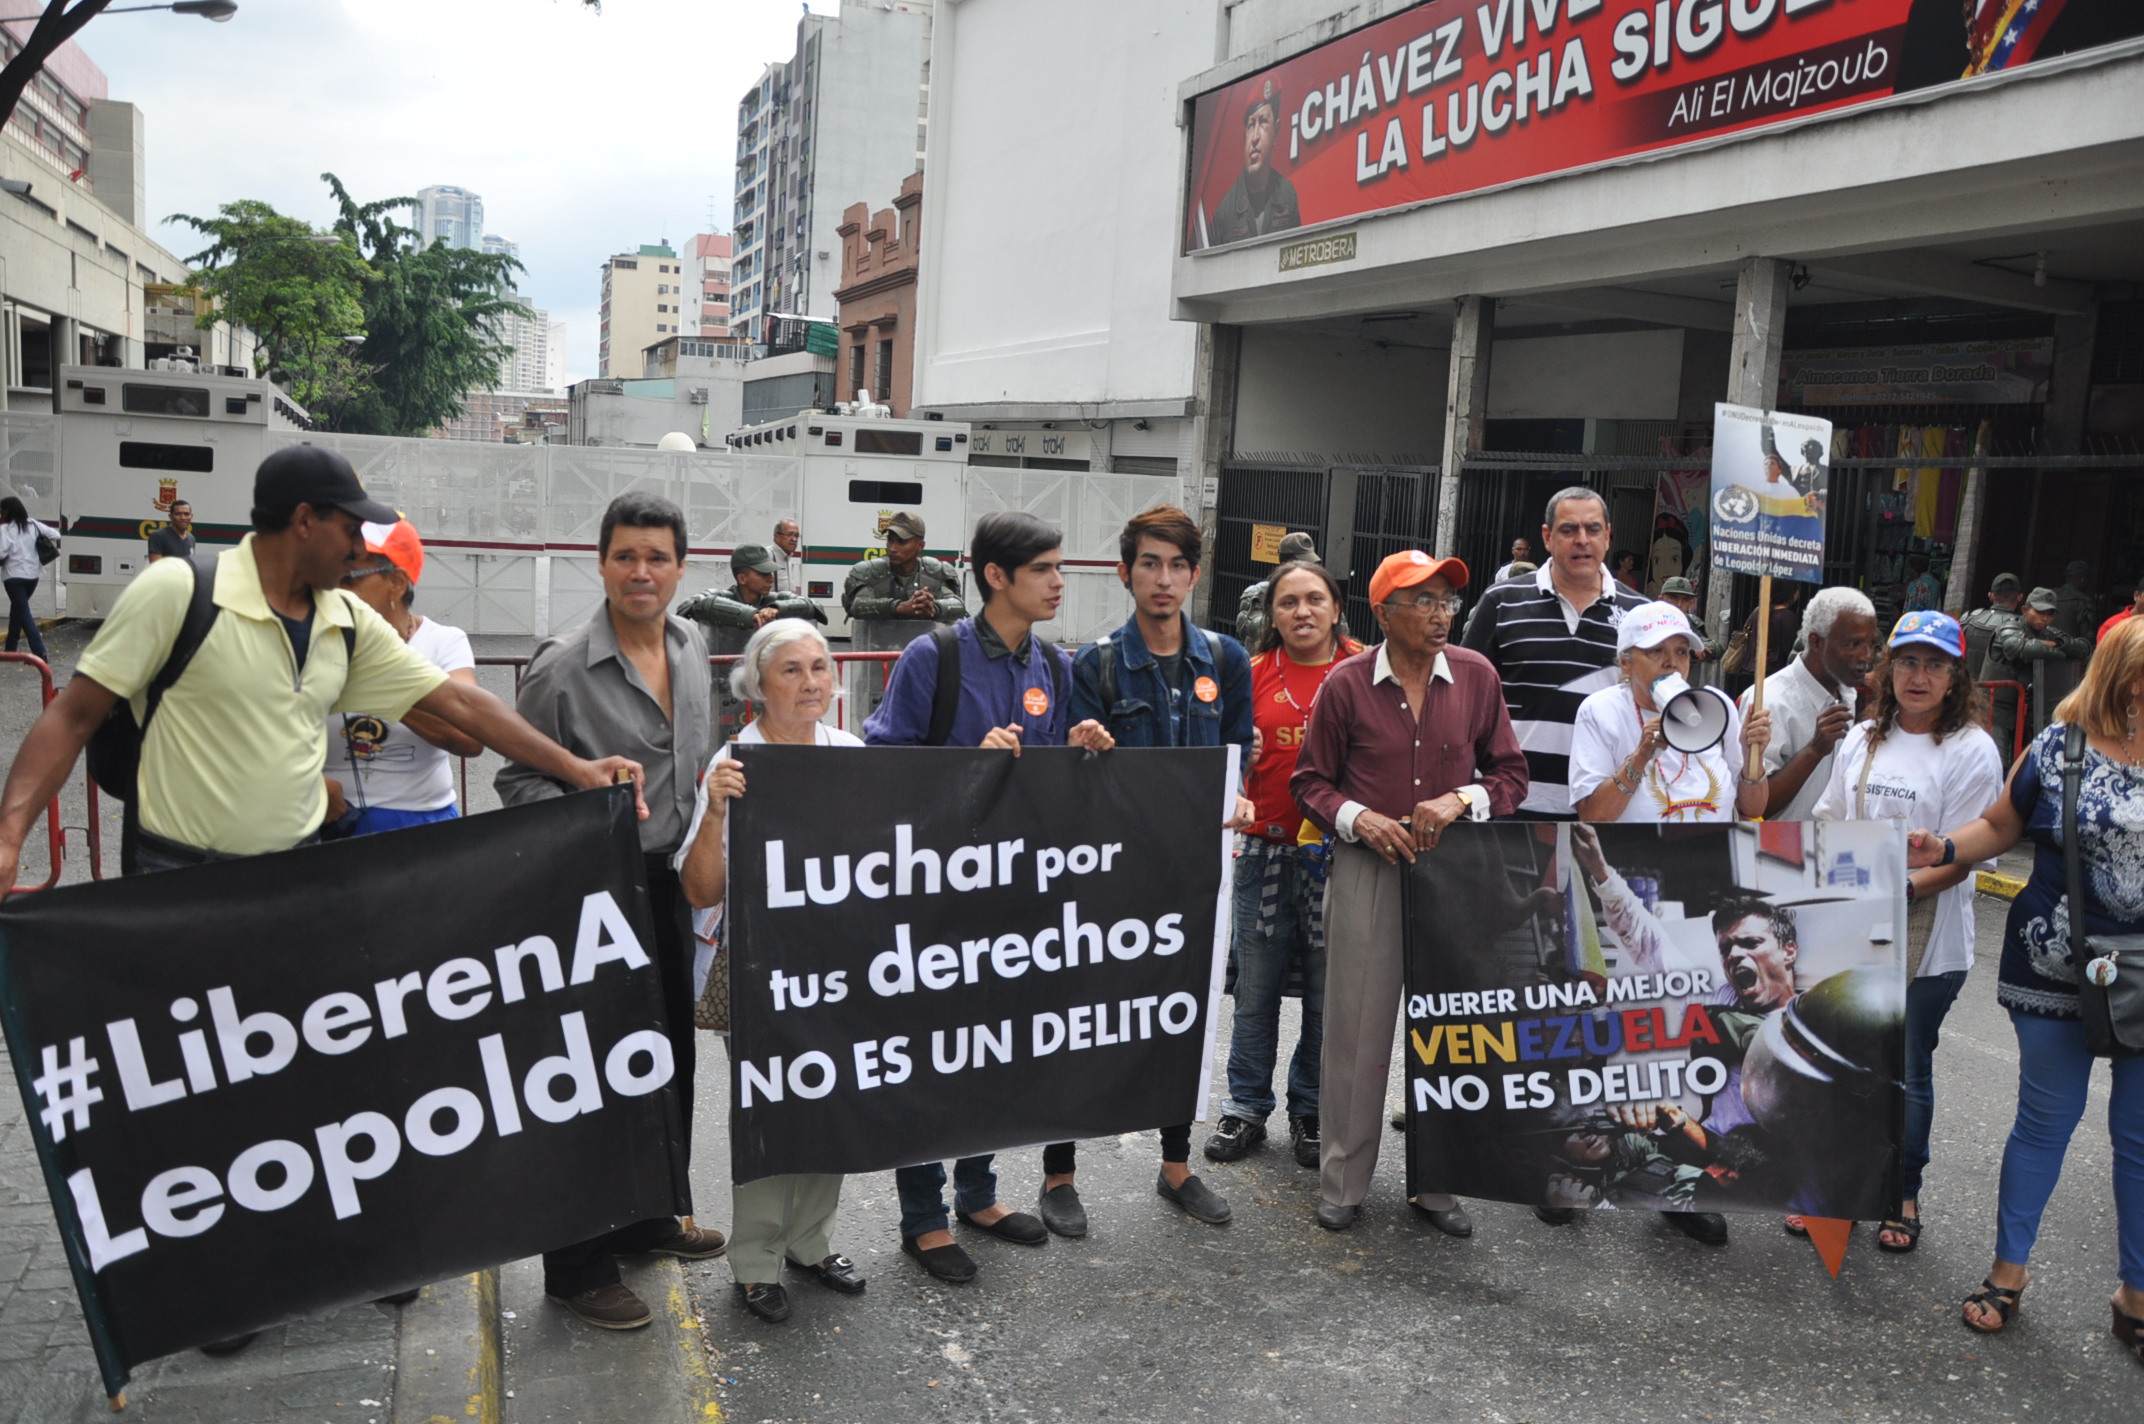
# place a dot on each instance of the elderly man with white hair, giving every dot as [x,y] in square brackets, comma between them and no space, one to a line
[1814,700]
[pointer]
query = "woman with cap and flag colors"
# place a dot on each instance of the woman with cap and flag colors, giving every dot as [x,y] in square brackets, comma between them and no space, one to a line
[1623,764]
[1923,758]
[383,774]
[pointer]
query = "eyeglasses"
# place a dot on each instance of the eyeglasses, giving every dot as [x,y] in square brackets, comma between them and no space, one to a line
[1924,667]
[355,574]
[1428,603]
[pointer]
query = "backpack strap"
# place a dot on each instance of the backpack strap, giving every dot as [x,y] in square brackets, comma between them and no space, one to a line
[1062,677]
[1105,672]
[201,611]
[945,696]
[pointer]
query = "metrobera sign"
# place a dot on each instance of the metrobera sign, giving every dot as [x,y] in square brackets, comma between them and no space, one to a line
[1453,96]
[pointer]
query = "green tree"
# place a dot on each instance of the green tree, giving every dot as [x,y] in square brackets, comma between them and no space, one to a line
[300,291]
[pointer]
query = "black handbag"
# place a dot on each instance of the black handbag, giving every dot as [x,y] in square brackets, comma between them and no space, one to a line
[2110,970]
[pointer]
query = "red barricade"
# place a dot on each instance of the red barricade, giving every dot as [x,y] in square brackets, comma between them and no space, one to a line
[56,834]
[2024,717]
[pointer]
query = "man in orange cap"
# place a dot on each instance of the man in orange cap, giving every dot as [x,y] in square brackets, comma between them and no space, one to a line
[1403,742]
[384,774]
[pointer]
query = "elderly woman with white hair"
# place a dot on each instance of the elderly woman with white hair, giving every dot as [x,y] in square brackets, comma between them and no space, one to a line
[1816,698]
[1621,767]
[787,672]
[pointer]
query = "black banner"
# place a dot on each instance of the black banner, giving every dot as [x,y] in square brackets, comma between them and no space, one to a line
[944,952]
[1674,1018]
[266,1088]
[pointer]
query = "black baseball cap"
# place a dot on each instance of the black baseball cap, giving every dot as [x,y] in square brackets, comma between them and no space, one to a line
[315,475]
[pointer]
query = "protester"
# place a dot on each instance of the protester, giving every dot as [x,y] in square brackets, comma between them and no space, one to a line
[1161,681]
[2005,592]
[2076,611]
[2038,979]
[2136,606]
[1623,563]
[1922,758]
[788,557]
[1015,690]
[1552,640]
[1813,699]
[20,569]
[1785,621]
[1924,592]
[1521,553]
[2034,638]
[176,539]
[384,774]
[905,583]
[1622,771]
[750,601]
[1295,548]
[787,671]
[1281,861]
[1391,759]
[632,676]
[286,649]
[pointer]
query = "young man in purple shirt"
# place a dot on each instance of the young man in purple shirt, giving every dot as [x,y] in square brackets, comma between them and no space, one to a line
[1015,691]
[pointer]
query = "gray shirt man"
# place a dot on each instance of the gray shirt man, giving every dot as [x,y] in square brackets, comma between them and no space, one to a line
[582,693]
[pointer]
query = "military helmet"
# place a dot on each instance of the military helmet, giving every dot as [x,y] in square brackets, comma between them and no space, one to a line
[1830,1057]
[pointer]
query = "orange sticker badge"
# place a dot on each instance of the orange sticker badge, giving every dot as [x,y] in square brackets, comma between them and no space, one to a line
[1037,702]
[1206,689]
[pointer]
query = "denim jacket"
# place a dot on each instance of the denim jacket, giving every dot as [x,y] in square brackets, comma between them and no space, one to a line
[1140,714]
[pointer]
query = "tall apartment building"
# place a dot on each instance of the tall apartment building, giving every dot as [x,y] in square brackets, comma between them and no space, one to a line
[498,246]
[842,117]
[554,367]
[708,274]
[528,331]
[451,215]
[645,298]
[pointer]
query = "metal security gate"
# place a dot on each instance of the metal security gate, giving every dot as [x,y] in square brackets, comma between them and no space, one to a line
[1395,509]
[1294,497]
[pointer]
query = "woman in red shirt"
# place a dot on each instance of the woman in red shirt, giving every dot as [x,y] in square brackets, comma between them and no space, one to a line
[1280,875]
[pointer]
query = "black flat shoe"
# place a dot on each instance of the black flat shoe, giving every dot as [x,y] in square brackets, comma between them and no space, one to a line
[1199,1201]
[1455,1222]
[1709,1227]
[1015,1226]
[947,1263]
[1334,1217]
[1556,1215]
[1063,1212]
[770,1302]
[836,1273]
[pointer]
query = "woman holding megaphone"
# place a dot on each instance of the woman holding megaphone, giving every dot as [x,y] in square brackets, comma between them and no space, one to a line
[1652,749]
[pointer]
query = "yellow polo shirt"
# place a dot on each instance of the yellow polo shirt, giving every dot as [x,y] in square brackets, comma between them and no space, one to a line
[234,760]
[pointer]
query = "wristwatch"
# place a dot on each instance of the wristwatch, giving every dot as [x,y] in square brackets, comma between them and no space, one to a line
[1466,802]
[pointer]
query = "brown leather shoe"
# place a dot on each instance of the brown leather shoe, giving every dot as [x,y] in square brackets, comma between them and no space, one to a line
[693,1243]
[610,1307]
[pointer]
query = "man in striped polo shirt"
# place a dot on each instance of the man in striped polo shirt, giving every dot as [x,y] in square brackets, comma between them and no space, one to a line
[1552,639]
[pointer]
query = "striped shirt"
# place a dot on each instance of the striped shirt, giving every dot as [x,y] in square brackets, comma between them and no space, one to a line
[1549,667]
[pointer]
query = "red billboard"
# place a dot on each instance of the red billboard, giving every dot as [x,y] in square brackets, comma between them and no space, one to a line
[1453,96]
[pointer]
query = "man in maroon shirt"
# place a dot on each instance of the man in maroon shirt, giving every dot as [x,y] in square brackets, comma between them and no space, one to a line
[1404,741]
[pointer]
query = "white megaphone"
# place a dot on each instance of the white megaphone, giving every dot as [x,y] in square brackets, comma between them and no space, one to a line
[1691,720]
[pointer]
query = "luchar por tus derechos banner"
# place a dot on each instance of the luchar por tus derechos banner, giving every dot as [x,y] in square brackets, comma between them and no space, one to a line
[1453,96]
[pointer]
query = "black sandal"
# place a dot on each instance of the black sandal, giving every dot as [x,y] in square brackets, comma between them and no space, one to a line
[1906,1226]
[2003,1302]
[2129,1330]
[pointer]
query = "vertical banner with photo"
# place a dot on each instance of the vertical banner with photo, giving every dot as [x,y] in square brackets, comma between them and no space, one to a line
[1673,1018]
[1771,476]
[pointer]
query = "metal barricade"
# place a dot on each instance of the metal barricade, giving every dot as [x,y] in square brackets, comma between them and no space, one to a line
[55,833]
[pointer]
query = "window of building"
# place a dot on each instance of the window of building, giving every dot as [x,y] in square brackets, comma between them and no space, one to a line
[884,383]
[856,367]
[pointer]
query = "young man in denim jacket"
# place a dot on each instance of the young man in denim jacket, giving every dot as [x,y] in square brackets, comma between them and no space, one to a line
[1158,681]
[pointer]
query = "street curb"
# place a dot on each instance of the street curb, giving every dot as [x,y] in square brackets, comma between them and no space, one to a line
[689,1347]
[2001,886]
[447,1358]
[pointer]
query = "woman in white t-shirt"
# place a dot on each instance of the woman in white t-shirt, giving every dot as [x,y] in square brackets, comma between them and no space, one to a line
[789,1219]
[385,775]
[21,568]
[1921,758]
[1622,770]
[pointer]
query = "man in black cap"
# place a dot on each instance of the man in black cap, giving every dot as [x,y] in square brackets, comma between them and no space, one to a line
[2005,593]
[906,583]
[750,601]
[285,648]
[1260,201]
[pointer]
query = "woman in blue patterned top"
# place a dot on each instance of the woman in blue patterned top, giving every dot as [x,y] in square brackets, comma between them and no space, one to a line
[2038,982]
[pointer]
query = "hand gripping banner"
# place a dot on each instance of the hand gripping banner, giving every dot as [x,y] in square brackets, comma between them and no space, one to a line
[1678,1018]
[939,953]
[270,1087]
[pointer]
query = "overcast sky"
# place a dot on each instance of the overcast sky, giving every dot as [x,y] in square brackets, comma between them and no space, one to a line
[586,134]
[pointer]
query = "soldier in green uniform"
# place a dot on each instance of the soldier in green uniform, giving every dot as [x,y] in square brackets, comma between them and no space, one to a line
[2034,638]
[1251,608]
[1260,201]
[751,601]
[904,584]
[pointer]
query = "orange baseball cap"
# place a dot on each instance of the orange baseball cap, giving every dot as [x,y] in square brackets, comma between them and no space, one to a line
[399,544]
[1410,567]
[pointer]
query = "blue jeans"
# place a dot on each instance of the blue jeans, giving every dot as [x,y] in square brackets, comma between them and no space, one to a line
[1279,913]
[1928,1000]
[2053,1072]
[19,618]
[374,819]
[922,1189]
